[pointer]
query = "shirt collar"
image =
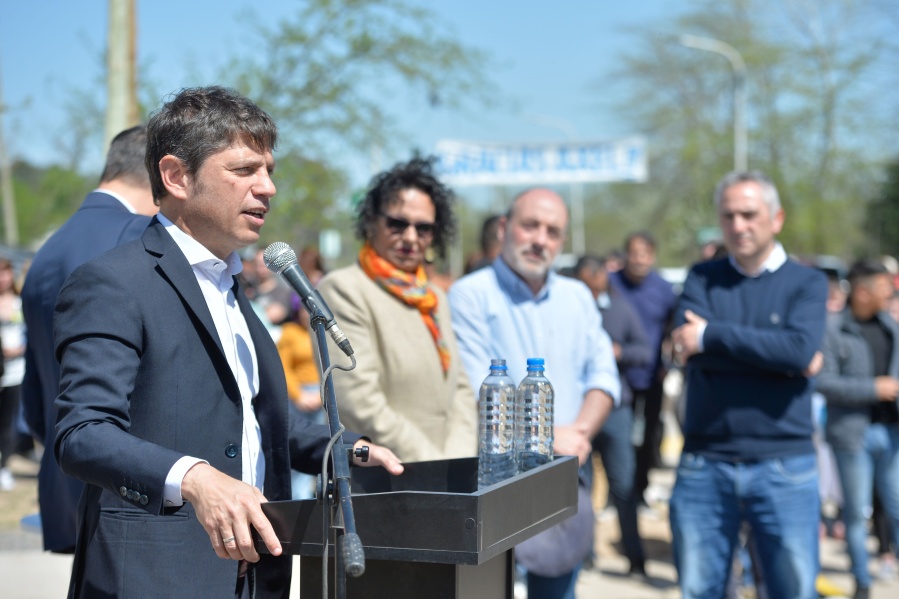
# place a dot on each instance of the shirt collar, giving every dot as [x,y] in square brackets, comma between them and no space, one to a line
[776,259]
[121,200]
[516,286]
[198,256]
[603,300]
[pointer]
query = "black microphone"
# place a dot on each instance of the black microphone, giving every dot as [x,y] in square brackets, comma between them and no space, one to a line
[282,260]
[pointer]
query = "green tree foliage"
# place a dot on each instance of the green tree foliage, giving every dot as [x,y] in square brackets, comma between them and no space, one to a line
[883,215]
[307,202]
[809,128]
[335,70]
[46,197]
[330,76]
[333,77]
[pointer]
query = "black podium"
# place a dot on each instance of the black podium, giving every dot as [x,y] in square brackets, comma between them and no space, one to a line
[430,532]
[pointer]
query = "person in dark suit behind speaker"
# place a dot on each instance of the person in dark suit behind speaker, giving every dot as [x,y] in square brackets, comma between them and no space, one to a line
[173,405]
[116,212]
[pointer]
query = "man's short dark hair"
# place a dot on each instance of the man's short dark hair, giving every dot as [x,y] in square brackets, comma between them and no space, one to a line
[385,187]
[864,269]
[644,236]
[201,121]
[125,159]
[490,232]
[589,261]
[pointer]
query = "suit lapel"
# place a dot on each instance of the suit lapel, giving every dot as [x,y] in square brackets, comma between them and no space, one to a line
[176,269]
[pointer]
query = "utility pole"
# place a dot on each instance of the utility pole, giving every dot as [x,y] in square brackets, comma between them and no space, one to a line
[121,79]
[10,222]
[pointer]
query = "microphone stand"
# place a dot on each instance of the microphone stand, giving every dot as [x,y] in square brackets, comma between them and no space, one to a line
[349,555]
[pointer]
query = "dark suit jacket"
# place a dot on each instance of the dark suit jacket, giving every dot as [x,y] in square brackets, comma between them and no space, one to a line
[144,382]
[623,325]
[100,224]
[847,378]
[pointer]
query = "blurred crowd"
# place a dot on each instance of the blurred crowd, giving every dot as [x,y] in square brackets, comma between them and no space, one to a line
[421,338]
[637,305]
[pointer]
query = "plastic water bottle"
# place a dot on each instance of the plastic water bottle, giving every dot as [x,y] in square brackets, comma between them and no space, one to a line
[496,409]
[534,418]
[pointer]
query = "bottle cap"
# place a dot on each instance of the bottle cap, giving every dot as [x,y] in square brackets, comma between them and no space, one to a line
[535,362]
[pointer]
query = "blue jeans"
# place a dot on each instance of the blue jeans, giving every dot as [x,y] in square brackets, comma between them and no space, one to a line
[552,587]
[559,587]
[613,443]
[875,465]
[777,497]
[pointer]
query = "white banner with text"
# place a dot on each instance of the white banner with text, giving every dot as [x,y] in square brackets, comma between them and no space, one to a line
[475,163]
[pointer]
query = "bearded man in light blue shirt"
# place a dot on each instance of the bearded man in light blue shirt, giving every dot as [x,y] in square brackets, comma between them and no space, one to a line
[519,308]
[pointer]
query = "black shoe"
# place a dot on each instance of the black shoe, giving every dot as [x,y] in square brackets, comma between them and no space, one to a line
[861,593]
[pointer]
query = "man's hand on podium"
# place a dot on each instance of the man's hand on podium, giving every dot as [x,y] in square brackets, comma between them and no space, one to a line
[378,456]
[227,508]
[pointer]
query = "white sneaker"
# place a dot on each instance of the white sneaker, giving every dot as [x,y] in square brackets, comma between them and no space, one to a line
[520,590]
[610,512]
[887,569]
[649,512]
[657,494]
[7,482]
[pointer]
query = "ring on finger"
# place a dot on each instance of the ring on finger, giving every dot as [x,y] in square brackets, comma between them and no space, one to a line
[228,540]
[678,347]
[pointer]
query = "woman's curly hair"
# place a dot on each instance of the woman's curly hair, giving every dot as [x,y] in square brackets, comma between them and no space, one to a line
[385,187]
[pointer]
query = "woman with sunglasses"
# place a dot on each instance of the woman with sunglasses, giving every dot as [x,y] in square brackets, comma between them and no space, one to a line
[408,391]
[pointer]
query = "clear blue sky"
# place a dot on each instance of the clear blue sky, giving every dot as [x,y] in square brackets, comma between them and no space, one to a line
[550,55]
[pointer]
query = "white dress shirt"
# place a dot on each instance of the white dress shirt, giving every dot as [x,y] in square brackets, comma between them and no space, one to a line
[215,277]
[121,200]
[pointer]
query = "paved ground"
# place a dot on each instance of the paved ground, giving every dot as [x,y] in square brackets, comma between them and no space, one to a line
[28,573]
[612,582]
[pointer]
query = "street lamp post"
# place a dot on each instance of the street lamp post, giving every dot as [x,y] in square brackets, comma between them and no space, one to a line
[739,67]
[578,226]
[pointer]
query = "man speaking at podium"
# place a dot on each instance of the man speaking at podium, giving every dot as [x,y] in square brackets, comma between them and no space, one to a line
[173,405]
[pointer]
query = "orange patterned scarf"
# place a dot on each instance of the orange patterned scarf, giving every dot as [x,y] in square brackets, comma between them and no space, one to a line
[410,289]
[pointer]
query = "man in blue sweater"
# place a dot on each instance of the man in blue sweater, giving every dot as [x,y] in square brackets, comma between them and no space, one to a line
[653,299]
[748,328]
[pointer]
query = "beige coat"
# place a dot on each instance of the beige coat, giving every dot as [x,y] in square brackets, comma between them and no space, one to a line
[398,395]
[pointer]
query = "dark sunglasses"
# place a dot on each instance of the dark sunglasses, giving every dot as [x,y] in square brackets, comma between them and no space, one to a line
[398,226]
